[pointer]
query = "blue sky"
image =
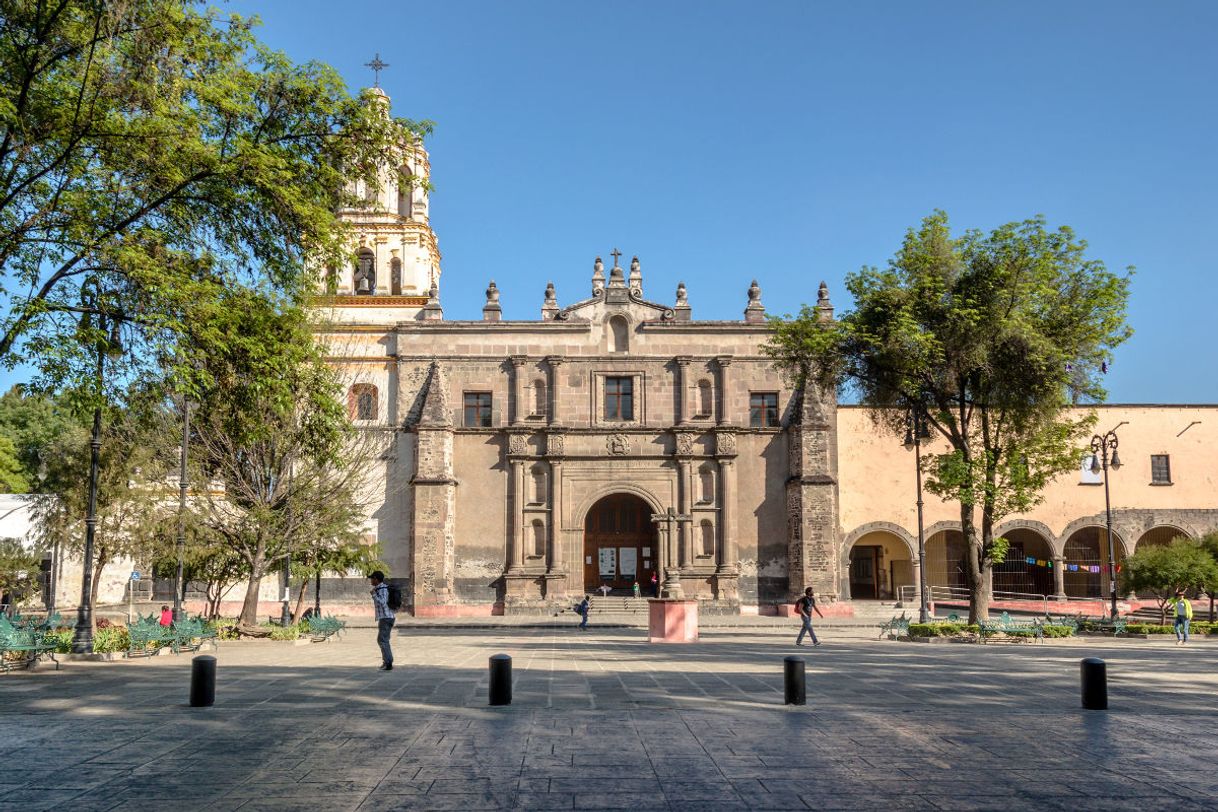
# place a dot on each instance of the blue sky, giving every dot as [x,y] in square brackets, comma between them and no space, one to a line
[796,141]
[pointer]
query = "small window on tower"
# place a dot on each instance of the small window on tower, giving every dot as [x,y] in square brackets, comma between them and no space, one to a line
[364,278]
[362,402]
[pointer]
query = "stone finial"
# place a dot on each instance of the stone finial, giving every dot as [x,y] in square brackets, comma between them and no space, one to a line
[549,308]
[617,277]
[754,313]
[432,310]
[636,277]
[598,277]
[492,311]
[824,307]
[682,311]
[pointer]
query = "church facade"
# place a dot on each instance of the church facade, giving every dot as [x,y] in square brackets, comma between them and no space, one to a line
[617,440]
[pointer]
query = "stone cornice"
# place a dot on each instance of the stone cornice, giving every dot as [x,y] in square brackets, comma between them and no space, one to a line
[367,301]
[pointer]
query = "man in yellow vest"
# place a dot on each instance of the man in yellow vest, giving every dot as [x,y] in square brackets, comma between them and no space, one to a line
[1184,613]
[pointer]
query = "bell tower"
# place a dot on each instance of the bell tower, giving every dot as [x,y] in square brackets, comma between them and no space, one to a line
[395,257]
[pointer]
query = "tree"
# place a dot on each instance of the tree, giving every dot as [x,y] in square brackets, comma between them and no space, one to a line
[328,556]
[32,422]
[13,478]
[156,149]
[132,487]
[1162,570]
[986,337]
[271,429]
[18,570]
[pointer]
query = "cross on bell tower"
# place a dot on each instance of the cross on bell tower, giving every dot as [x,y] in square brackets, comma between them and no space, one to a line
[377,66]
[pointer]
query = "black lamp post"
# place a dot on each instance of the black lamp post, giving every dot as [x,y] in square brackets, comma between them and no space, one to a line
[179,585]
[1103,445]
[285,614]
[82,636]
[917,430]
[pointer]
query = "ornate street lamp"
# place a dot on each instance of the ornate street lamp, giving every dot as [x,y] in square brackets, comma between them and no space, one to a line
[1103,445]
[108,326]
[179,585]
[917,430]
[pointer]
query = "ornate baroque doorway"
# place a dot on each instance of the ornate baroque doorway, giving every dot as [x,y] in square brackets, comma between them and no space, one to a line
[620,545]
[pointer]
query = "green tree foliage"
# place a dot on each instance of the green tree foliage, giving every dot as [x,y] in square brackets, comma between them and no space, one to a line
[13,478]
[19,570]
[270,428]
[32,422]
[988,337]
[156,150]
[1162,569]
[133,486]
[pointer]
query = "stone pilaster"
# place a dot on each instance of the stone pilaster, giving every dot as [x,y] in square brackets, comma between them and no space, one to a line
[556,575]
[812,495]
[1059,578]
[682,388]
[435,507]
[554,363]
[518,407]
[727,574]
[725,363]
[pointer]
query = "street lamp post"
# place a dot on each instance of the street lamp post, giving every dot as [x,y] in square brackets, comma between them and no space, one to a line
[285,614]
[179,584]
[82,636]
[1103,445]
[916,431]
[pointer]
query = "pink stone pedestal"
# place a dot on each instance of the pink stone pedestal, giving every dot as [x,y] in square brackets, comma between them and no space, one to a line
[672,621]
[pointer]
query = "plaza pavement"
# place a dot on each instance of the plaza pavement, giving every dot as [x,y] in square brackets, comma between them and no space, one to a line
[601,720]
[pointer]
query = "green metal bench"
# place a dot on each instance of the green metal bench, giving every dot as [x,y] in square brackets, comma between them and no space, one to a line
[320,629]
[896,628]
[29,638]
[192,634]
[1013,628]
[146,636]
[1104,624]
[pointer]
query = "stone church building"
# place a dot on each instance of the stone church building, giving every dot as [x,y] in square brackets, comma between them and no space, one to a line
[617,439]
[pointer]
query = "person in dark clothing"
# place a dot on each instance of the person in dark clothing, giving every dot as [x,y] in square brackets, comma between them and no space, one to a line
[584,606]
[806,606]
[384,617]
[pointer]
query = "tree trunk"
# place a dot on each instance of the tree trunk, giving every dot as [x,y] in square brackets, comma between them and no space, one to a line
[299,600]
[103,558]
[977,572]
[1163,612]
[249,609]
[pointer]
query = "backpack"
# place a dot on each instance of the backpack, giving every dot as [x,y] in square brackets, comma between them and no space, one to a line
[394,601]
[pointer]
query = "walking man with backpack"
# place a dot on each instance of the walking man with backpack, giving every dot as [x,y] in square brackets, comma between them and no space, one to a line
[384,602]
[583,608]
[806,606]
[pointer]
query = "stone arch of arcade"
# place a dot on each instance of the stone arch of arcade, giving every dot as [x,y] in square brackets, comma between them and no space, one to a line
[1160,535]
[1085,560]
[878,559]
[1030,559]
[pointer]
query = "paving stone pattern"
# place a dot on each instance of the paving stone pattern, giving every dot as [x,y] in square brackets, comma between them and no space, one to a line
[602,720]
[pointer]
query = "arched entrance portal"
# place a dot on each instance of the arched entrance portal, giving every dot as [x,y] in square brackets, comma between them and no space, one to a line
[1086,562]
[621,546]
[880,564]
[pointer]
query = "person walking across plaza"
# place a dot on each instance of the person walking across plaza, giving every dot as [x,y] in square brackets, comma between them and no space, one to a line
[384,617]
[1184,615]
[584,607]
[806,606]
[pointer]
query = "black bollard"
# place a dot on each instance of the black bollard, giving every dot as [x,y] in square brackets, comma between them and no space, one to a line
[501,679]
[203,681]
[794,687]
[1095,683]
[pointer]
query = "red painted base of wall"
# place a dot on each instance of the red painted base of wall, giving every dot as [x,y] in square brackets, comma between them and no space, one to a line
[460,610]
